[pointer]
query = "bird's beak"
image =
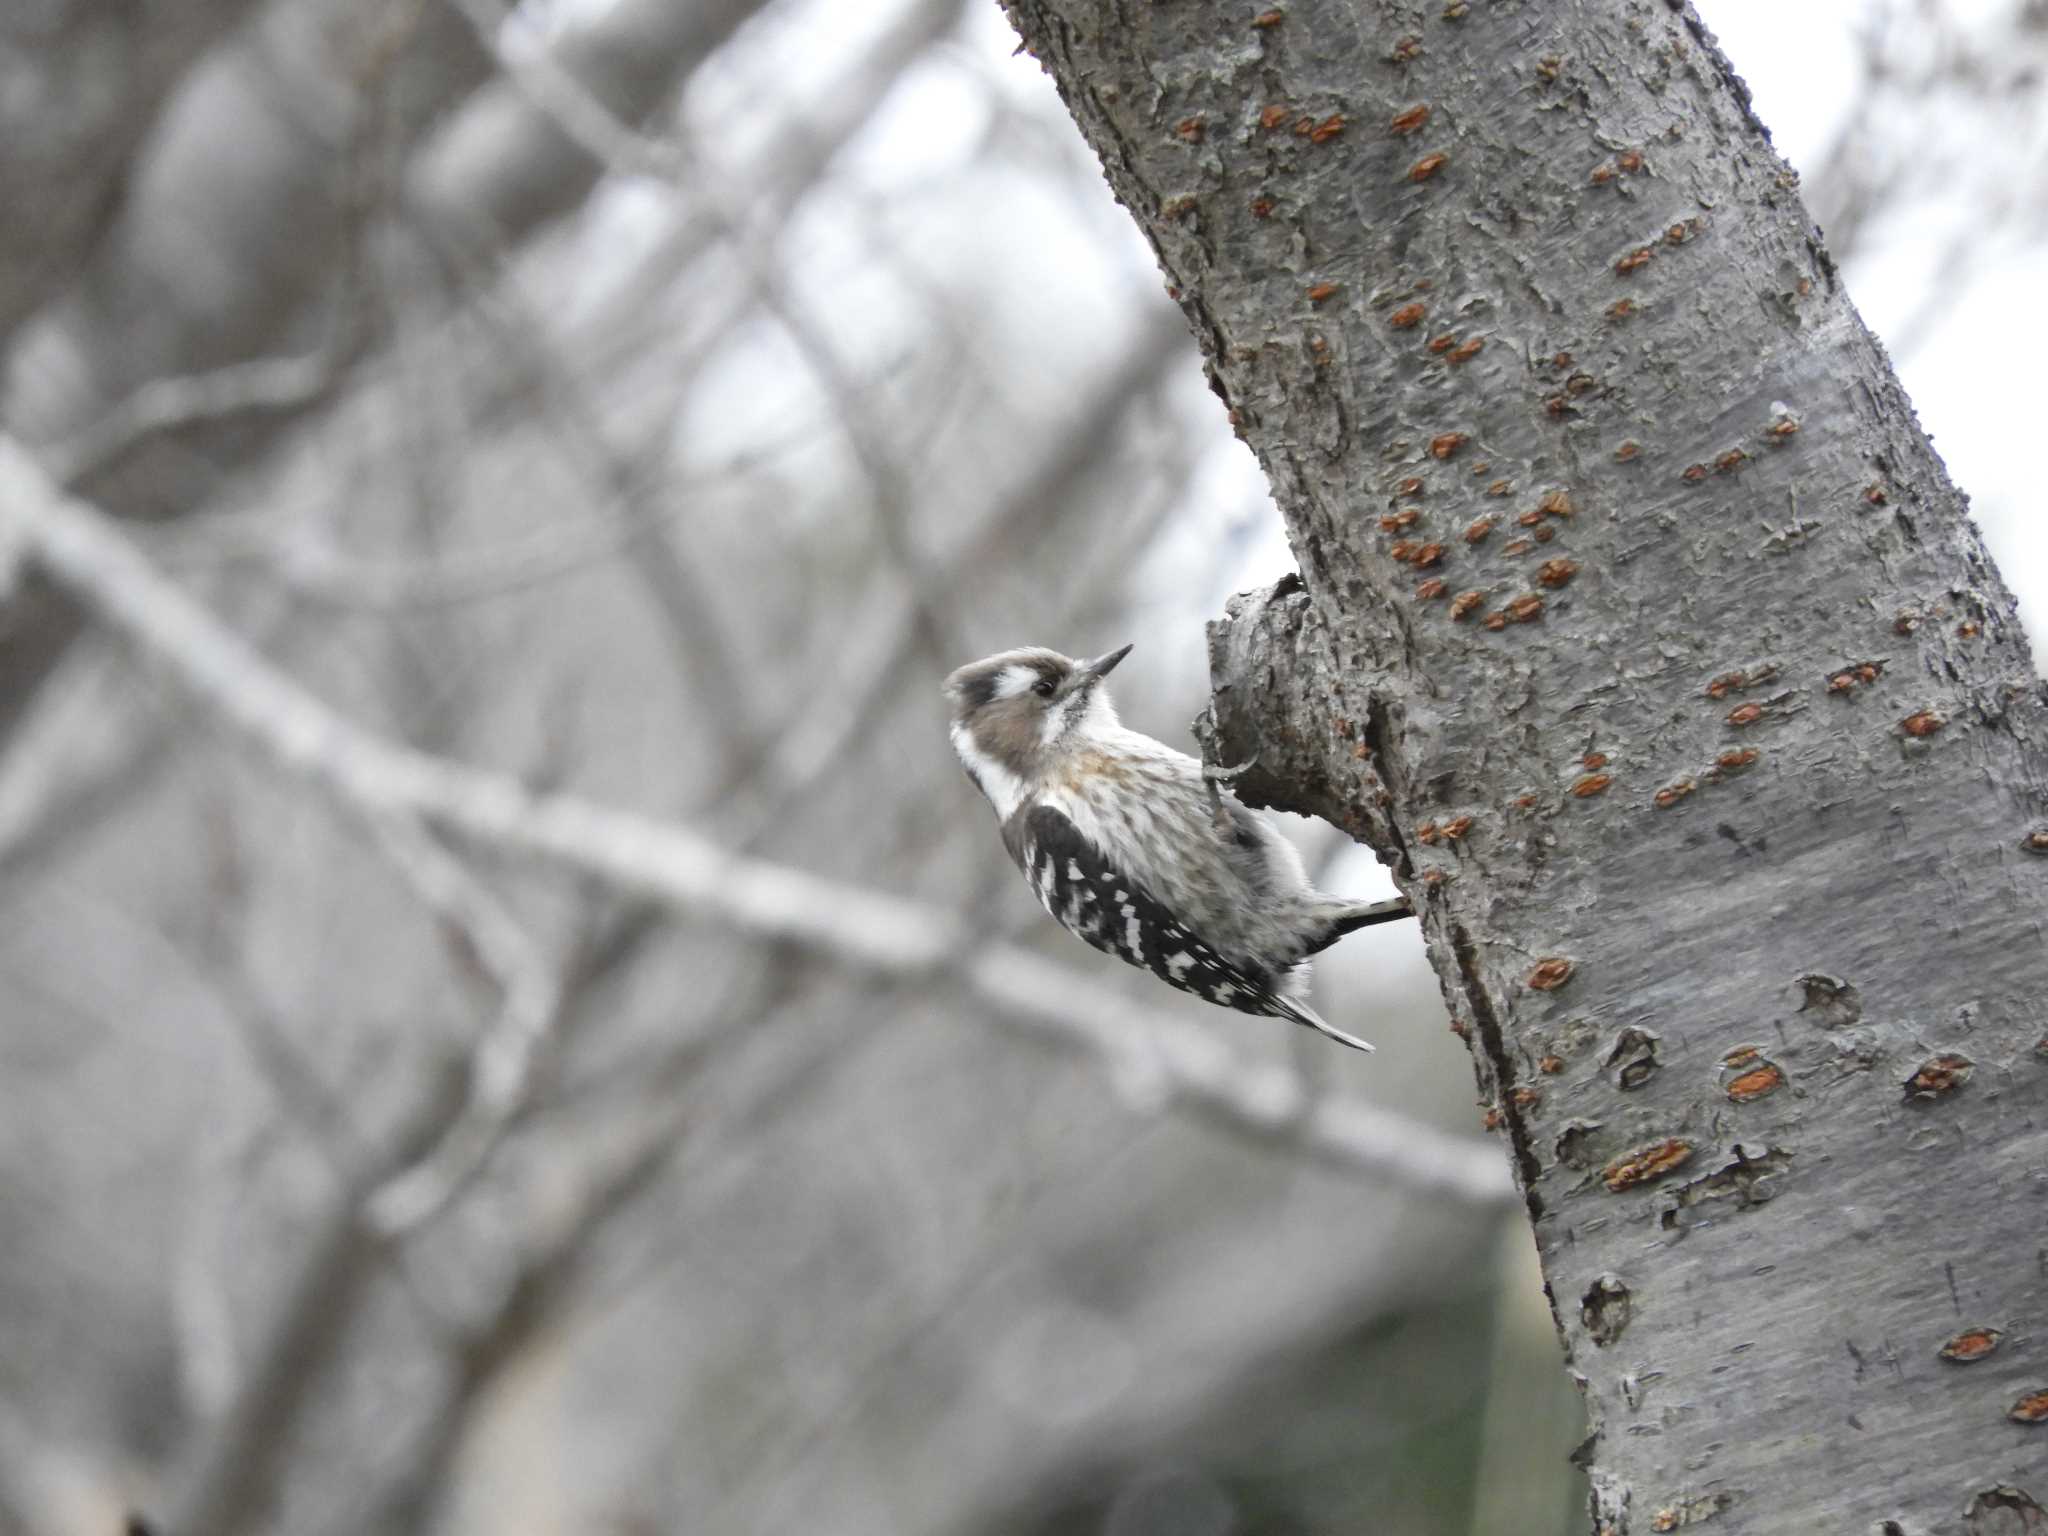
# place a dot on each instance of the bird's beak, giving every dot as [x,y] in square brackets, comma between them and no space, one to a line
[1089,673]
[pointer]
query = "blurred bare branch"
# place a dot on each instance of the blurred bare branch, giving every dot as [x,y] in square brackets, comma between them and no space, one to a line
[71,143]
[166,404]
[79,755]
[1154,1056]
[506,1052]
[507,159]
[585,119]
[497,165]
[232,1485]
[561,97]
[552,1261]
[1946,117]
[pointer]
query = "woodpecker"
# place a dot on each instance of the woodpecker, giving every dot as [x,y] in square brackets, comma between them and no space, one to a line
[1135,847]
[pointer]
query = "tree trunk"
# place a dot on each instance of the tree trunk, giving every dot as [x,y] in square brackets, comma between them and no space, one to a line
[1641,631]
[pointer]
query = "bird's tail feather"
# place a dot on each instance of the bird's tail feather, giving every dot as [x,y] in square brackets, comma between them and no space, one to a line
[1301,1013]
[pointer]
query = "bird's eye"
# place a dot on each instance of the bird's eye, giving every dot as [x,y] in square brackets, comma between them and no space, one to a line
[1043,687]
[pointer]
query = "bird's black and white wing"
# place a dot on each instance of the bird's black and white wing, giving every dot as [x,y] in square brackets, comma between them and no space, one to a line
[1093,899]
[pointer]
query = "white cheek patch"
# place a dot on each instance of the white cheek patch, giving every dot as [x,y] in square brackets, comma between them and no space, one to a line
[1015,680]
[1004,789]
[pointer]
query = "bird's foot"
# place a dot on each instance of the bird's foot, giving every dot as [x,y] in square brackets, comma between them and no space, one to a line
[1219,775]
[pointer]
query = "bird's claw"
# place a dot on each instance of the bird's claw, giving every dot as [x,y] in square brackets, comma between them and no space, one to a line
[1219,775]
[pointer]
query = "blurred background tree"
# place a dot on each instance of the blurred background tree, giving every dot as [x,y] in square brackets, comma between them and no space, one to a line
[653,401]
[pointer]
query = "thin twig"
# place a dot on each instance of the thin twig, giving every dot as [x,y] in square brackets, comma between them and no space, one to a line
[164,405]
[503,1061]
[82,750]
[591,124]
[588,122]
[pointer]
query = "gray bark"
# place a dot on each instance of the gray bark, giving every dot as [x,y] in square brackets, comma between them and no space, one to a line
[1641,631]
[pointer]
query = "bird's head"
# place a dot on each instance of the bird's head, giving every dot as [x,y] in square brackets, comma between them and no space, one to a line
[1016,714]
